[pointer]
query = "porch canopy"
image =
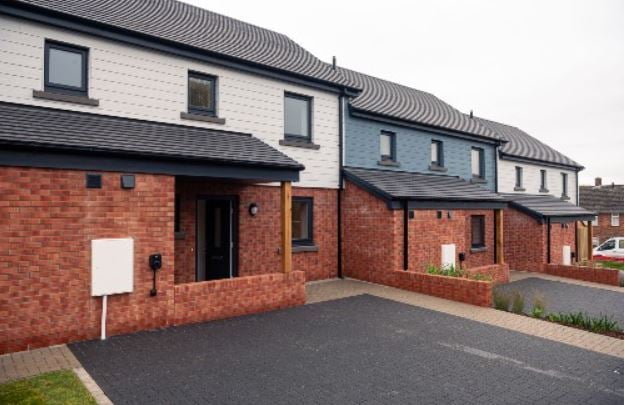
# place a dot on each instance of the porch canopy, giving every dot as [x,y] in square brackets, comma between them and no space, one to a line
[424,191]
[52,138]
[548,208]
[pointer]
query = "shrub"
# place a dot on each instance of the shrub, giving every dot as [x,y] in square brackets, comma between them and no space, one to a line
[431,269]
[582,320]
[518,302]
[538,308]
[482,277]
[501,300]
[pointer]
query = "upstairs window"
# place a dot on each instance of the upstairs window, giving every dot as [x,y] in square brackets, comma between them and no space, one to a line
[297,116]
[302,221]
[65,68]
[202,94]
[565,188]
[477,232]
[477,163]
[615,219]
[543,181]
[437,153]
[387,146]
[595,221]
[518,183]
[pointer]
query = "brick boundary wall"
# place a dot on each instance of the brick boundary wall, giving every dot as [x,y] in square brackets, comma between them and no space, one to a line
[452,288]
[219,299]
[499,273]
[585,273]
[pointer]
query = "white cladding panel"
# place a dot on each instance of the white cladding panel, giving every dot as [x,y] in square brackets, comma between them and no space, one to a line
[139,83]
[448,255]
[112,266]
[531,179]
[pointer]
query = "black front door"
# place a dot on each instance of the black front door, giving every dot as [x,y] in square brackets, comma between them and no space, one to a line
[219,239]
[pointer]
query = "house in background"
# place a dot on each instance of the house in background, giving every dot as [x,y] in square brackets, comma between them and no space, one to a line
[543,224]
[607,202]
[419,184]
[185,140]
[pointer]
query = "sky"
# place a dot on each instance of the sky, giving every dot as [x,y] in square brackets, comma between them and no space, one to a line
[553,68]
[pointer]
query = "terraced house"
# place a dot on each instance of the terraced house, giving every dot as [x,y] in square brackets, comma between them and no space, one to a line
[173,144]
[544,223]
[420,182]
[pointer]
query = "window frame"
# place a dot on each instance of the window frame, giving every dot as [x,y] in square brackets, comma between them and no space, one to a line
[518,177]
[83,90]
[210,112]
[565,185]
[482,244]
[618,219]
[310,203]
[482,163]
[440,157]
[595,221]
[543,181]
[309,101]
[392,136]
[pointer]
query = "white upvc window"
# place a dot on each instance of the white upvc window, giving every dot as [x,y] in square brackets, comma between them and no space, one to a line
[595,221]
[615,219]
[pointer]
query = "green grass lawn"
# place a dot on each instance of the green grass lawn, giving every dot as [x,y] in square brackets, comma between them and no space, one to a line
[612,265]
[58,387]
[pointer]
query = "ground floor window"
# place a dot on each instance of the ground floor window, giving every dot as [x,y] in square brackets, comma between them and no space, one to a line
[477,231]
[302,220]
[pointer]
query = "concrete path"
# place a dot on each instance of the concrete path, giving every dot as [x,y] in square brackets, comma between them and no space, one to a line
[334,289]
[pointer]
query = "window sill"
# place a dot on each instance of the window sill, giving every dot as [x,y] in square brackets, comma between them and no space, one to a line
[180,235]
[304,248]
[202,118]
[479,249]
[519,189]
[67,98]
[478,180]
[437,168]
[299,144]
[390,163]
[543,190]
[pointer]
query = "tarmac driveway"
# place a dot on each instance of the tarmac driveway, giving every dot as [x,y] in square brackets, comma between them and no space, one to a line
[566,297]
[358,350]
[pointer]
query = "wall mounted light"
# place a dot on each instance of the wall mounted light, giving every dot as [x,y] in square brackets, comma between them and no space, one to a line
[253,209]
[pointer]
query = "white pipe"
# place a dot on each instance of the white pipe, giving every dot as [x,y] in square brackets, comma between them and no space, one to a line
[103,323]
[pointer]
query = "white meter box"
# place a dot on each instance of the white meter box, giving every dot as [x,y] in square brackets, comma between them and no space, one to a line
[112,266]
[448,255]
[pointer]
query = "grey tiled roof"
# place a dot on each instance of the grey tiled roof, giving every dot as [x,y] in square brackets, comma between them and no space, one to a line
[382,97]
[547,206]
[47,128]
[521,144]
[608,198]
[199,28]
[417,186]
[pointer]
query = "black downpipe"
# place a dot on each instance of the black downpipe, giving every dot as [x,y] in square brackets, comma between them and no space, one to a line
[406,235]
[338,195]
[548,240]
[495,237]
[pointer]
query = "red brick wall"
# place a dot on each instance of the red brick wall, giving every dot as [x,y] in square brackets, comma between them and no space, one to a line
[373,236]
[259,236]
[48,220]
[561,235]
[605,230]
[218,299]
[525,241]
[426,234]
[595,275]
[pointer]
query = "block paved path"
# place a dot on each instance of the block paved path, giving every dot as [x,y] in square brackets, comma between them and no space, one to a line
[358,350]
[333,289]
